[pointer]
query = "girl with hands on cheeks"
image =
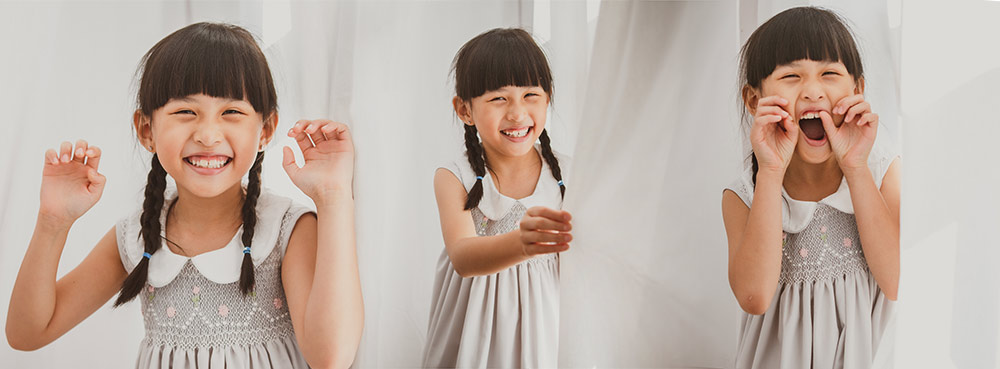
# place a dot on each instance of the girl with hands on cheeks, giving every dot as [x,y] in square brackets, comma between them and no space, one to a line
[813,222]
[496,296]
[228,273]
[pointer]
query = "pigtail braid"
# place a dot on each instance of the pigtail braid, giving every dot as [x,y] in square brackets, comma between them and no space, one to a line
[152,206]
[550,159]
[249,222]
[477,158]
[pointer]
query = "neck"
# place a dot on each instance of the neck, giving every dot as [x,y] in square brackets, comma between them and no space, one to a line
[811,175]
[219,211]
[503,165]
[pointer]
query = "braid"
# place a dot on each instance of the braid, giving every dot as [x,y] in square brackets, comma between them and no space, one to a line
[477,158]
[550,159]
[755,168]
[249,222]
[152,205]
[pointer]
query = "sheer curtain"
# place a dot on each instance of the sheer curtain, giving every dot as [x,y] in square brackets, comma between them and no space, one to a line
[645,284]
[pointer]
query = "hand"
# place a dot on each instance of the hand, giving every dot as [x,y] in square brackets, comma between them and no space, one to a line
[545,230]
[71,184]
[773,135]
[853,140]
[329,158]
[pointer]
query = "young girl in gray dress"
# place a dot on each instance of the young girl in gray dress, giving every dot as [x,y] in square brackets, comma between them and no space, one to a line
[496,299]
[813,222]
[229,275]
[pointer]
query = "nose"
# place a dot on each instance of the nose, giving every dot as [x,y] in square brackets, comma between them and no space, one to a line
[516,112]
[208,133]
[812,91]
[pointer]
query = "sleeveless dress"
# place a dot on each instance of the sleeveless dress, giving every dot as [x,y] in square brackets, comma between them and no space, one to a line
[505,320]
[827,312]
[194,313]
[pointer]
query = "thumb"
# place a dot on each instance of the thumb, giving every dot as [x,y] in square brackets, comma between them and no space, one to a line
[97,181]
[288,161]
[828,125]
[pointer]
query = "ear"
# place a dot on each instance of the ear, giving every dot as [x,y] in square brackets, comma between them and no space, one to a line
[750,98]
[267,133]
[859,88]
[143,130]
[463,109]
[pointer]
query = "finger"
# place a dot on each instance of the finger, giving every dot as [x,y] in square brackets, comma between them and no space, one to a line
[535,249]
[65,152]
[790,126]
[96,177]
[51,157]
[93,157]
[556,215]
[337,130]
[871,119]
[857,110]
[539,223]
[773,110]
[764,120]
[302,138]
[828,125]
[772,101]
[847,102]
[313,130]
[80,152]
[288,161]
[545,237]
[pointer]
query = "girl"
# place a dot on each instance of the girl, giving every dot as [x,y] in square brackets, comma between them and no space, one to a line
[813,224]
[228,276]
[496,300]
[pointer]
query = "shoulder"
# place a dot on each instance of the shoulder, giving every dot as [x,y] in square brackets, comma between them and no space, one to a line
[460,169]
[741,187]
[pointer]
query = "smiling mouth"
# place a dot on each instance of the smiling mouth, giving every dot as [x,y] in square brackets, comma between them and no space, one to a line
[812,126]
[208,163]
[517,133]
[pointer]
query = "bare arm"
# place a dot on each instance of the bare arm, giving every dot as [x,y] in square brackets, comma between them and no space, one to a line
[43,309]
[877,214]
[542,230]
[754,243]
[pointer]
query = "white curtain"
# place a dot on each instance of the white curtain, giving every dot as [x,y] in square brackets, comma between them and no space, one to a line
[645,284]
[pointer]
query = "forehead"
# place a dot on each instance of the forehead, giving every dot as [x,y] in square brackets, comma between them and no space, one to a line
[205,99]
[807,63]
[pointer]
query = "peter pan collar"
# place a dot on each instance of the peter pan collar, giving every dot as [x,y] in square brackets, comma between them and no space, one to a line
[221,265]
[495,205]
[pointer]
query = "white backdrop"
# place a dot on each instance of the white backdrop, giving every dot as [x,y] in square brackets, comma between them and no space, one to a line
[650,113]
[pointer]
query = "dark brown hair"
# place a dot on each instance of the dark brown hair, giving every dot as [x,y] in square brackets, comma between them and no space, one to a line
[497,58]
[795,34]
[218,60]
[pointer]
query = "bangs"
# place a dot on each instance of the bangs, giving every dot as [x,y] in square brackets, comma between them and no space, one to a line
[796,34]
[217,60]
[499,58]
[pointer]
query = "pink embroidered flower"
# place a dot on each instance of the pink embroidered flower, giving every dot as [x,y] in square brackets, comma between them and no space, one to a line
[196,290]
[171,312]
[277,303]
[848,242]
[804,252]
[822,229]
[149,288]
[223,310]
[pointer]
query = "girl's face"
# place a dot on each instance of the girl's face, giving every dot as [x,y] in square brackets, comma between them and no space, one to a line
[509,120]
[207,144]
[810,87]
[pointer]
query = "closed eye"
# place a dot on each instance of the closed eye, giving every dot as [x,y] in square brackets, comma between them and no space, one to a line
[831,73]
[184,111]
[232,111]
[789,76]
[498,98]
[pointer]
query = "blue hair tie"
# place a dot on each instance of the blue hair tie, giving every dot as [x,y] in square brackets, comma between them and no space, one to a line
[246,250]
[147,255]
[560,183]
[479,178]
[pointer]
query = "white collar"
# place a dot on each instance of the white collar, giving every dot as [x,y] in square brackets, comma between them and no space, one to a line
[495,205]
[221,265]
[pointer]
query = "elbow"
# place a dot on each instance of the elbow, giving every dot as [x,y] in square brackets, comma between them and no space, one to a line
[21,344]
[462,272]
[758,307]
[334,359]
[891,293]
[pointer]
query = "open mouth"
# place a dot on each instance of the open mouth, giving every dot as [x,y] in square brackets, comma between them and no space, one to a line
[208,162]
[812,126]
[519,132]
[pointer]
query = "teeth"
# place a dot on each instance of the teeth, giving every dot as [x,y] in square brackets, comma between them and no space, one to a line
[209,164]
[518,133]
[810,115]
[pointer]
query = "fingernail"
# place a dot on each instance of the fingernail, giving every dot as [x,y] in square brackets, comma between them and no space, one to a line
[79,152]
[55,160]
[65,158]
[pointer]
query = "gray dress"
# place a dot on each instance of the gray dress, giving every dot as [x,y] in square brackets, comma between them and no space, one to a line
[827,312]
[505,320]
[194,314]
